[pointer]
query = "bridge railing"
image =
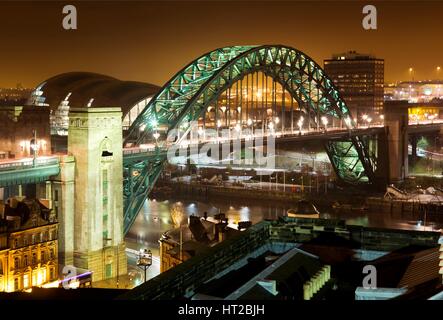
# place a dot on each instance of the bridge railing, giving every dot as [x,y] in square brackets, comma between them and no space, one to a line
[258,133]
[7,165]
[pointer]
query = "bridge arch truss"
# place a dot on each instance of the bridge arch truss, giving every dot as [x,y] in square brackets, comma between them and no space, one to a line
[196,89]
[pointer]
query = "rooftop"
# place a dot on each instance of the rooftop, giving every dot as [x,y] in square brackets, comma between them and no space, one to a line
[91,89]
[353,55]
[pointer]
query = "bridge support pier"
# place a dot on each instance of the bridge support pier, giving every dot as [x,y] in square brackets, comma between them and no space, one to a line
[62,195]
[396,120]
[439,145]
[382,172]
[414,140]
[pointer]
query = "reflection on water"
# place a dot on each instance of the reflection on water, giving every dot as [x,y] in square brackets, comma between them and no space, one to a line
[154,219]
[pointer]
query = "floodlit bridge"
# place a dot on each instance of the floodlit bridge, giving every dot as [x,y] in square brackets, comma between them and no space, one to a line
[264,89]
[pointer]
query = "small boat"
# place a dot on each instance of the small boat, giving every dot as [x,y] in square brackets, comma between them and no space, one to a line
[304,209]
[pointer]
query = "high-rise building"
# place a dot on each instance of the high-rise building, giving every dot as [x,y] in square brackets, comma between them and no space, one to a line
[360,79]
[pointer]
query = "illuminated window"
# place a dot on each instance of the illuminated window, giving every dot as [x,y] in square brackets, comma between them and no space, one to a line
[16,263]
[25,281]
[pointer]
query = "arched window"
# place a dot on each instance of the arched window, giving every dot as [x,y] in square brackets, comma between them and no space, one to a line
[16,263]
[105,147]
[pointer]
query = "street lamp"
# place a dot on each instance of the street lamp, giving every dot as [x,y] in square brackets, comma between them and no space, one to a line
[364,117]
[154,123]
[249,122]
[324,120]
[271,127]
[156,135]
[34,146]
[144,260]
[300,124]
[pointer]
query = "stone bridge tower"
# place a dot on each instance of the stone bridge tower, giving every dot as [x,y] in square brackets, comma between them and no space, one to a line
[95,141]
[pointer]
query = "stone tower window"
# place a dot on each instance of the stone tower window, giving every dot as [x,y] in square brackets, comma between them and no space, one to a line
[106,148]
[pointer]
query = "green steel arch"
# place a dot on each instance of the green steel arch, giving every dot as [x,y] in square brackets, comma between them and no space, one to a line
[187,95]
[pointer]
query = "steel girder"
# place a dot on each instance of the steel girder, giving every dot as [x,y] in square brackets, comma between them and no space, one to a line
[139,177]
[188,94]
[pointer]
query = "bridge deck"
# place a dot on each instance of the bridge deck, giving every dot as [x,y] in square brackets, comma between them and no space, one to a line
[27,171]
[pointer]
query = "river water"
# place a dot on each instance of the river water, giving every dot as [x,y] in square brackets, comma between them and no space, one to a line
[154,219]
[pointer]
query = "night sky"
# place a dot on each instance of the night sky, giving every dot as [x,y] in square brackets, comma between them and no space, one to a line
[150,41]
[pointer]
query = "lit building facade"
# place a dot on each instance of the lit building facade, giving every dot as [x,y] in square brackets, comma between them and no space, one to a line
[419,111]
[16,131]
[14,96]
[28,246]
[415,91]
[360,79]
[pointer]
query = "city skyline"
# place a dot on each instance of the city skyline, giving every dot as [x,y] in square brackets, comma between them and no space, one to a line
[154,40]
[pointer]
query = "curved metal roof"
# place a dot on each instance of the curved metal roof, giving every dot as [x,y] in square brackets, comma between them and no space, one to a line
[105,90]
